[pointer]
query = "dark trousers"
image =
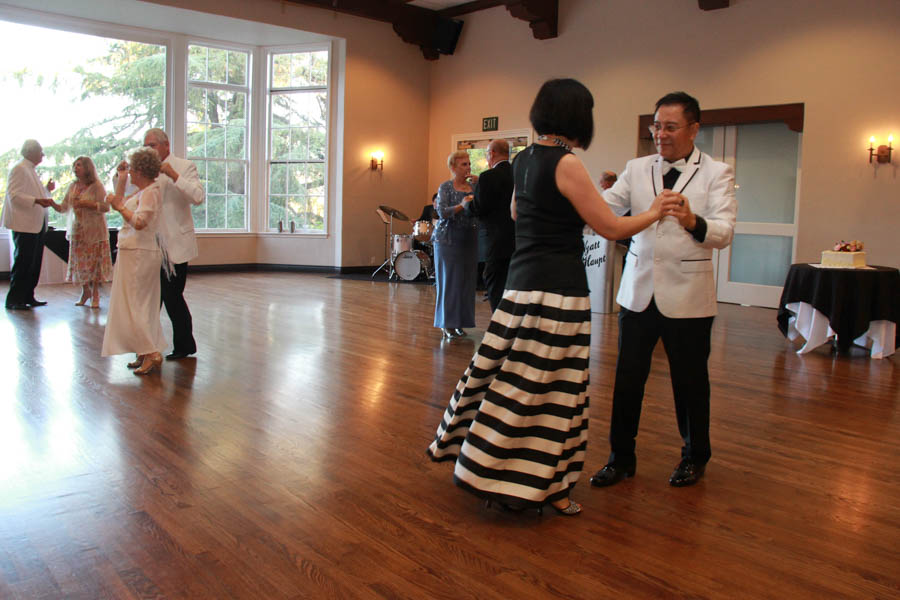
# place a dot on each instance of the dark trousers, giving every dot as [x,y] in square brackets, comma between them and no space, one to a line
[495,271]
[26,267]
[687,347]
[172,296]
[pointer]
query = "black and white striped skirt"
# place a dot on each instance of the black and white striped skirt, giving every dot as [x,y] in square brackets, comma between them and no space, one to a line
[517,423]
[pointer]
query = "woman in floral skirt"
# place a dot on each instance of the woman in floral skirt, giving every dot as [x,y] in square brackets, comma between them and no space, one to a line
[89,256]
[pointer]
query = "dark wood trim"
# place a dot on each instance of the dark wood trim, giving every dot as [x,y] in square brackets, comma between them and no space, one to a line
[469,7]
[542,16]
[789,114]
[414,25]
[265,267]
[273,268]
[713,4]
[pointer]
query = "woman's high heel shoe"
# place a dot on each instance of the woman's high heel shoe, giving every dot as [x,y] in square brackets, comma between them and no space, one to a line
[449,334]
[570,511]
[95,301]
[460,332]
[151,362]
[138,361]
[84,298]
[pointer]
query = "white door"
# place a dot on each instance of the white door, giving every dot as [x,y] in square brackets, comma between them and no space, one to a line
[766,162]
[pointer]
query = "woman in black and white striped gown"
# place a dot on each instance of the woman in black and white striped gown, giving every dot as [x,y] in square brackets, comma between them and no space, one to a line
[517,422]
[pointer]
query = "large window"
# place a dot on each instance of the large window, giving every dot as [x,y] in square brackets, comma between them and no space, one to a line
[298,125]
[259,140]
[217,133]
[81,95]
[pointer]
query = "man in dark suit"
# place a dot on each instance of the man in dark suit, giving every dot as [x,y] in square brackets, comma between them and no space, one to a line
[492,196]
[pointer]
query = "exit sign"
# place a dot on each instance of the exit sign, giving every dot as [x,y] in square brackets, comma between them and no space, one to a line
[489,123]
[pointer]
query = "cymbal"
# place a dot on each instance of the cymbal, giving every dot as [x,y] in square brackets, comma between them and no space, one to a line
[393,212]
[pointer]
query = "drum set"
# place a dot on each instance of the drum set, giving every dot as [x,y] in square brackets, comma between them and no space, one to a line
[408,256]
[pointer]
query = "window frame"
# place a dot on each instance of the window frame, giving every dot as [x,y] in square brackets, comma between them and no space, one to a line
[250,89]
[266,153]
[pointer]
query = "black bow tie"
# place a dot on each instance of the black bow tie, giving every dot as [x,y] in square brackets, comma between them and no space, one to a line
[670,178]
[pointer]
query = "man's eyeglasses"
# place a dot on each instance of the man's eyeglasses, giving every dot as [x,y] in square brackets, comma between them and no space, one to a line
[667,127]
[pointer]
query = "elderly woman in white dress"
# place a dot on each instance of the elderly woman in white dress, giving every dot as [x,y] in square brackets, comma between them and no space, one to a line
[133,323]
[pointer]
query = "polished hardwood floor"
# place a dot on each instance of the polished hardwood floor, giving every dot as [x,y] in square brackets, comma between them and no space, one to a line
[288,461]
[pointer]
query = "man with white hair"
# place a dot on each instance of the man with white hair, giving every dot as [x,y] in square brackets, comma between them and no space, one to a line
[25,214]
[181,189]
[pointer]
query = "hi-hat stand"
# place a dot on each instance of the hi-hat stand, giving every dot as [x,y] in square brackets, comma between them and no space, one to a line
[388,221]
[388,215]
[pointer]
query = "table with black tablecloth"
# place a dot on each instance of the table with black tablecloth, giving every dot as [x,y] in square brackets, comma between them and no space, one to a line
[852,305]
[56,254]
[55,241]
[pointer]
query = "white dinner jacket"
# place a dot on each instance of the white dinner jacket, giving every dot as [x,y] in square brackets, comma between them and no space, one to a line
[20,212]
[664,261]
[177,224]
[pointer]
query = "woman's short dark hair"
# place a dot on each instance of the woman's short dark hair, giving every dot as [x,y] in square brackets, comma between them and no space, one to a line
[564,107]
[689,105]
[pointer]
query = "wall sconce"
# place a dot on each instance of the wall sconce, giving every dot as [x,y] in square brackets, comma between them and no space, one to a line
[377,160]
[883,153]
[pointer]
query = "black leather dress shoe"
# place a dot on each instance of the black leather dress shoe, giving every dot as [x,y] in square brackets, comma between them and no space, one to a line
[17,306]
[34,302]
[178,354]
[612,474]
[686,473]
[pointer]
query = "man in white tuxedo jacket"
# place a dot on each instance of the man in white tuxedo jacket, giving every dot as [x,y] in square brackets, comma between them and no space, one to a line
[181,189]
[668,290]
[25,215]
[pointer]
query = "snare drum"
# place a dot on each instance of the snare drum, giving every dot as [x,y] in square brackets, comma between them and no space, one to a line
[401,243]
[412,263]
[422,230]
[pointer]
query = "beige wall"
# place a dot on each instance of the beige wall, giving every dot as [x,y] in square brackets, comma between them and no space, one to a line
[837,57]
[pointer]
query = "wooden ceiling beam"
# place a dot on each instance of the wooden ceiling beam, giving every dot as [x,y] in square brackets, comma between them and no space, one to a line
[542,16]
[469,7]
[713,4]
[420,26]
[431,29]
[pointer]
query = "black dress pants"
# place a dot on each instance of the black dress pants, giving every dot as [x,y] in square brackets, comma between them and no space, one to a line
[686,342]
[172,296]
[26,268]
[495,271]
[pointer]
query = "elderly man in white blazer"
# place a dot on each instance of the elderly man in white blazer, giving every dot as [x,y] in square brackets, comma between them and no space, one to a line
[25,214]
[181,189]
[668,290]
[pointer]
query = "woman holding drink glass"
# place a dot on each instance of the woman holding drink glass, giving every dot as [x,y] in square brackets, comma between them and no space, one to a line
[455,251]
[89,256]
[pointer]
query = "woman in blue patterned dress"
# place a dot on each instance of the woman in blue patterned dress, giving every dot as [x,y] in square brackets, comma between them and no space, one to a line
[455,251]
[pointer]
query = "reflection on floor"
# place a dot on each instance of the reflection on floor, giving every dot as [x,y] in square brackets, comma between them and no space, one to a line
[287,461]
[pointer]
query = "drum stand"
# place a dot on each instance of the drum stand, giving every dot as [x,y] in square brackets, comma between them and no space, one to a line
[388,221]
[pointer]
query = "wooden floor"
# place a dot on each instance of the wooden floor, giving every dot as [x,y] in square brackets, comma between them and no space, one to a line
[288,461]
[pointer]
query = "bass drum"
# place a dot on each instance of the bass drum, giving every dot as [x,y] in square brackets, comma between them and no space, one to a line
[412,263]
